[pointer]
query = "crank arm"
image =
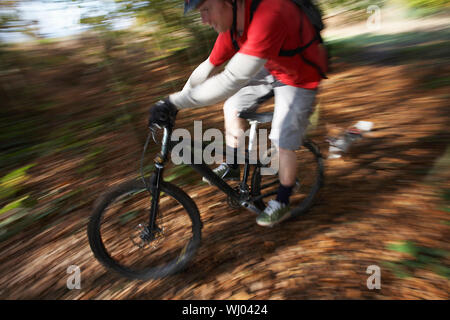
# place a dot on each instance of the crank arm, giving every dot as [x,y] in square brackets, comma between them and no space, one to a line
[251,207]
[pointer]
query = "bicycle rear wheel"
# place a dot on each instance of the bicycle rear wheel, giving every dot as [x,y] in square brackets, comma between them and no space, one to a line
[309,181]
[119,232]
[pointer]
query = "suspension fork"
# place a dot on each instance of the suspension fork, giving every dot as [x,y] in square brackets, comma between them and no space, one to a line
[156,178]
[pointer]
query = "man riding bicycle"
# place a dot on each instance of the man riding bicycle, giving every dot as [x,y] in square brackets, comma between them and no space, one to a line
[251,40]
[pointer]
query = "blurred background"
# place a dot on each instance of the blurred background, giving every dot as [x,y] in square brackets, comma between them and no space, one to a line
[77,78]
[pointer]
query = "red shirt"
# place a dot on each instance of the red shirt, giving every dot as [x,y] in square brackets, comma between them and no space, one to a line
[275,25]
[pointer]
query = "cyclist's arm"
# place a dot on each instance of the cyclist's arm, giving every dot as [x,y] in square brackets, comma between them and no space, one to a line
[199,75]
[237,73]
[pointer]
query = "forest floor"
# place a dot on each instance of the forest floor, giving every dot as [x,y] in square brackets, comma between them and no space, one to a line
[385,203]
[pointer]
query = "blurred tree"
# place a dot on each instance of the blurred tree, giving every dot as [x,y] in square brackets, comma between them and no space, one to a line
[429,3]
[333,6]
[169,25]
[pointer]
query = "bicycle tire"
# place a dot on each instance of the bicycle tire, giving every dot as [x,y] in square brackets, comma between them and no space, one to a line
[309,174]
[115,199]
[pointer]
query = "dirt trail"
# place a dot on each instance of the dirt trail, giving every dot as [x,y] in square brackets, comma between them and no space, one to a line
[386,191]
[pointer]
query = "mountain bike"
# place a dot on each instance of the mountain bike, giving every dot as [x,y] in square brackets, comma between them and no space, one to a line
[149,228]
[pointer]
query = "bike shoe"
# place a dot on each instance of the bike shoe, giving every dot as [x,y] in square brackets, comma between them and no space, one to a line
[274,213]
[225,172]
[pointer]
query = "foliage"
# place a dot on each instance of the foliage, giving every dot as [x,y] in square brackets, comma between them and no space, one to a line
[13,182]
[13,205]
[428,3]
[420,258]
[362,5]
[350,5]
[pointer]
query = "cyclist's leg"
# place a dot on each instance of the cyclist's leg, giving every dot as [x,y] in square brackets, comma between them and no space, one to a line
[244,100]
[293,107]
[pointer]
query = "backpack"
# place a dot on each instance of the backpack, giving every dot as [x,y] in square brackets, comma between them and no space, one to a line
[314,15]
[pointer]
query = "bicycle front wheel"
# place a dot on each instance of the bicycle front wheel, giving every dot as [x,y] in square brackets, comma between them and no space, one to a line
[121,239]
[309,180]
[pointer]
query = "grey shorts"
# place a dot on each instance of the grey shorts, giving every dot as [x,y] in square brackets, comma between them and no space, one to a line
[293,107]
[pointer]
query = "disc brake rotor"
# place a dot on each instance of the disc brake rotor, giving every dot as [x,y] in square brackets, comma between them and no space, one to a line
[143,238]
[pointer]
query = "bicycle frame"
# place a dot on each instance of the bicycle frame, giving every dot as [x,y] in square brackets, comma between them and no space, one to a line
[238,196]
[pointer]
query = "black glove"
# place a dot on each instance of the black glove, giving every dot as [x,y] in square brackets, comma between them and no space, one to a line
[162,113]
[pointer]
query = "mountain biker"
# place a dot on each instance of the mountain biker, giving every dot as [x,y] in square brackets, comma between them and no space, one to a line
[255,68]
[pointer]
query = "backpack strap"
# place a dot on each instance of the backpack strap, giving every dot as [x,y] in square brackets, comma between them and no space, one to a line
[284,53]
[253,6]
[315,66]
[299,50]
[233,27]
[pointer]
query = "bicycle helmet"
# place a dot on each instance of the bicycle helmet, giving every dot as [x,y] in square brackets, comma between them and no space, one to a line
[191,5]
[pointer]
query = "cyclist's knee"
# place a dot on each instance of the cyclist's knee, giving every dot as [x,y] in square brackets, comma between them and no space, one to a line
[229,107]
